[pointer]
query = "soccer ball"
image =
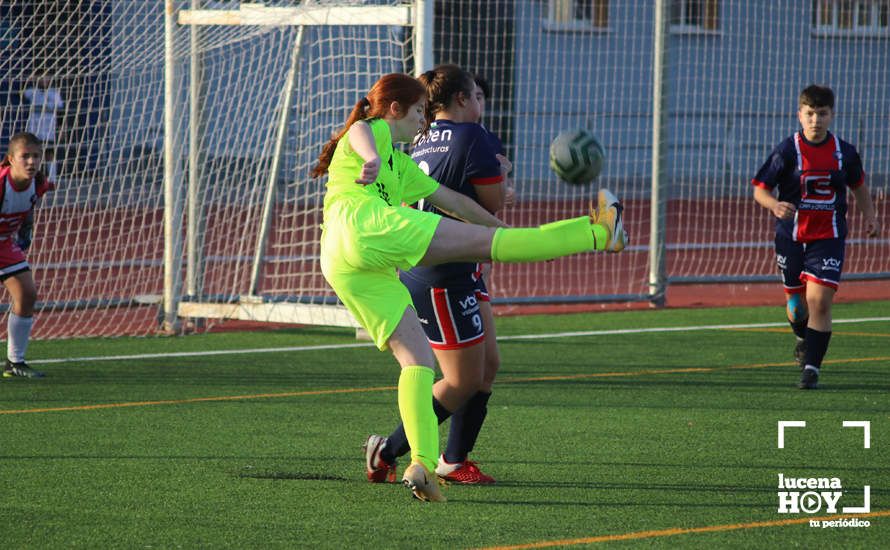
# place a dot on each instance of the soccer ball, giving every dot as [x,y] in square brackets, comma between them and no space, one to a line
[576,156]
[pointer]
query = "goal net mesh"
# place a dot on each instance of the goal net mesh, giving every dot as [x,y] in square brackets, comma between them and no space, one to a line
[733,70]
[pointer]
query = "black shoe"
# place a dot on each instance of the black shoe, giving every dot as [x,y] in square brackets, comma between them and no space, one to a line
[809,380]
[800,352]
[20,369]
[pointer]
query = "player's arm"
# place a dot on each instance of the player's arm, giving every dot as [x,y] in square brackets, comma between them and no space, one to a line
[509,191]
[867,208]
[780,209]
[462,207]
[491,196]
[489,181]
[361,139]
[774,170]
[495,196]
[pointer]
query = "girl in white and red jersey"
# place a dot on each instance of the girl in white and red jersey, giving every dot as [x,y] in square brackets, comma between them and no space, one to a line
[23,185]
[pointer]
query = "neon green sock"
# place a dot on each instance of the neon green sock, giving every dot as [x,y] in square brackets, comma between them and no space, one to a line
[600,236]
[533,244]
[416,408]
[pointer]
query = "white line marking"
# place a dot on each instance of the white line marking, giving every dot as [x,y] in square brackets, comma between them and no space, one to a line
[866,430]
[673,329]
[782,424]
[368,345]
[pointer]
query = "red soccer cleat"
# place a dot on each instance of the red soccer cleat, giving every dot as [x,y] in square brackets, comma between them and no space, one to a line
[377,469]
[466,472]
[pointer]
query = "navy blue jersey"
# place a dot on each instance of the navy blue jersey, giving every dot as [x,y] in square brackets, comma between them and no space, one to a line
[814,177]
[495,142]
[459,156]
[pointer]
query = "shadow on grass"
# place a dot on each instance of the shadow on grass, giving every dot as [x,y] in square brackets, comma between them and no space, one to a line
[297,476]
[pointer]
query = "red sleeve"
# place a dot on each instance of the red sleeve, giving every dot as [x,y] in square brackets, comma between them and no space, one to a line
[43,185]
[758,183]
[487,181]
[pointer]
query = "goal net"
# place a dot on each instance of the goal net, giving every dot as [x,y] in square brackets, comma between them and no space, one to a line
[732,71]
[553,65]
[96,252]
[273,84]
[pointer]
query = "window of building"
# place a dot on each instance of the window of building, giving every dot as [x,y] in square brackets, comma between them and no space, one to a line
[851,17]
[577,15]
[695,16]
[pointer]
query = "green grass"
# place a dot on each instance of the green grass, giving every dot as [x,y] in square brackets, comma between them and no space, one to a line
[640,449]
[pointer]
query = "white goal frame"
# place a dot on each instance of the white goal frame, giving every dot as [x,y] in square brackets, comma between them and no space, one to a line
[250,307]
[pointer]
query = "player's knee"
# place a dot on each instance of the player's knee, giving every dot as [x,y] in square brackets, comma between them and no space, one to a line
[492,364]
[820,305]
[23,302]
[474,381]
[797,308]
[413,355]
[460,390]
[463,375]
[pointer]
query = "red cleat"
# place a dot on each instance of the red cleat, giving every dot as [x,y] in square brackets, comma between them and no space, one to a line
[466,472]
[377,469]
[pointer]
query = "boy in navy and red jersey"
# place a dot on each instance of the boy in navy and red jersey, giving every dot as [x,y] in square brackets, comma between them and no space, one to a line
[812,170]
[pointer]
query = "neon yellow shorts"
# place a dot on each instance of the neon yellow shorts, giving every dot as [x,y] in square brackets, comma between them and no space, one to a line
[363,242]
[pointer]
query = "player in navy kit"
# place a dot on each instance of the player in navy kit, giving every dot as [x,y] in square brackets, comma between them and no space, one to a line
[452,299]
[812,170]
[483,92]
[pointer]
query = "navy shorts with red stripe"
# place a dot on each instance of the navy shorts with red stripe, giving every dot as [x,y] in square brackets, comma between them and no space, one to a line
[820,262]
[450,316]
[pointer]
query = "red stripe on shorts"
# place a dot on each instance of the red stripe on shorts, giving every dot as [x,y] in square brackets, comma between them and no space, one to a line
[443,315]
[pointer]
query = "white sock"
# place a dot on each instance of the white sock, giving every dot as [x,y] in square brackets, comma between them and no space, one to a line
[19,332]
[812,368]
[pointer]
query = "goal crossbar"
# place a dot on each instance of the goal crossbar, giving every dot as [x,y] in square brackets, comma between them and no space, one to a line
[260,15]
[301,314]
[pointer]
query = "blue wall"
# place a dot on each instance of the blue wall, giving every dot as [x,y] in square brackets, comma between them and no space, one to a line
[731,94]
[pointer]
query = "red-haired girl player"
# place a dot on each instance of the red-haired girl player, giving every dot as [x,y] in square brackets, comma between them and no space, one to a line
[368,234]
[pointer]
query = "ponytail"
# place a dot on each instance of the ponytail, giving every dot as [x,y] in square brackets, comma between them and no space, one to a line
[395,87]
[327,152]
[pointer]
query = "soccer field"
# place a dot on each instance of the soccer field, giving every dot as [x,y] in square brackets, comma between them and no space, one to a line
[638,428]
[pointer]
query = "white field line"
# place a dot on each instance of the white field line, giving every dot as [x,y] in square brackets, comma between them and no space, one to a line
[368,345]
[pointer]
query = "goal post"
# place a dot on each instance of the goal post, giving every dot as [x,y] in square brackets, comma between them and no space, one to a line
[275,289]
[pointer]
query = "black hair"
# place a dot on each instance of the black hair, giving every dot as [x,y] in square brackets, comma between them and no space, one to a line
[442,85]
[483,85]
